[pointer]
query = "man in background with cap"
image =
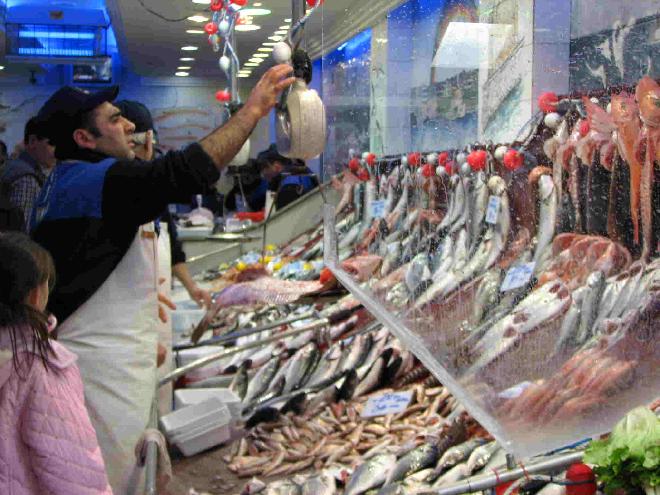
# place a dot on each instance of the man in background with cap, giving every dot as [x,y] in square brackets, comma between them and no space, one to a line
[22,178]
[95,215]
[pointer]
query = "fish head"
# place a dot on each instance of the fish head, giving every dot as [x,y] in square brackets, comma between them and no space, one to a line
[647,95]
[624,108]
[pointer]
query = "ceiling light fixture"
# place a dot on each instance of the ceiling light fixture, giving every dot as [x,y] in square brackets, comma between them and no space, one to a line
[184,67]
[287,26]
[282,32]
[256,60]
[198,18]
[2,67]
[194,31]
[202,2]
[258,4]
[181,74]
[269,43]
[250,64]
[276,38]
[186,59]
[255,12]
[264,49]
[261,55]
[243,75]
[247,27]
[189,48]
[287,20]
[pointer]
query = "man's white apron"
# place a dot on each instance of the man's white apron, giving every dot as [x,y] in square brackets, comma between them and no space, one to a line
[115,340]
[165,329]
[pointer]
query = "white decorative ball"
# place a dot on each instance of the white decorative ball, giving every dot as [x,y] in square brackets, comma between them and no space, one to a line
[225,63]
[500,152]
[552,120]
[466,169]
[441,171]
[461,158]
[609,108]
[351,153]
[432,158]
[365,155]
[282,52]
[404,160]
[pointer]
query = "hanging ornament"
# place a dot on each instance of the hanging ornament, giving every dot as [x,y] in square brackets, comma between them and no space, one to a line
[477,160]
[552,120]
[500,152]
[354,165]
[513,160]
[282,52]
[225,63]
[548,102]
[584,127]
[217,5]
[214,41]
[223,27]
[443,157]
[414,159]
[449,167]
[239,3]
[432,158]
[428,170]
[363,174]
[404,160]
[312,3]
[461,158]
[211,28]
[223,96]
[370,159]
[441,170]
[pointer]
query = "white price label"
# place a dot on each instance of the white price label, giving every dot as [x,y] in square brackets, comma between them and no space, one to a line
[493,209]
[390,403]
[377,208]
[517,276]
[392,248]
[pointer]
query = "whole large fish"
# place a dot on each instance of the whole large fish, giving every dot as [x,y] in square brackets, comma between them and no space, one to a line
[481,456]
[457,473]
[547,215]
[478,207]
[302,362]
[260,381]
[356,352]
[417,459]
[455,455]
[370,474]
[589,309]
[327,367]
[319,484]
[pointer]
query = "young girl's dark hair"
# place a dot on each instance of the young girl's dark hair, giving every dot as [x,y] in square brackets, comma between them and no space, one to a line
[24,265]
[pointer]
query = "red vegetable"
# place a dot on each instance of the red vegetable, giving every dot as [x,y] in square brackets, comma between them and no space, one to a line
[211,28]
[548,102]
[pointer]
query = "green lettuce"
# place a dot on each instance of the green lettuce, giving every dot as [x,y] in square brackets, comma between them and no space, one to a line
[630,458]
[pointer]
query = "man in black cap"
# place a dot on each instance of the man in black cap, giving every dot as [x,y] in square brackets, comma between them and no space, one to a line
[22,178]
[95,215]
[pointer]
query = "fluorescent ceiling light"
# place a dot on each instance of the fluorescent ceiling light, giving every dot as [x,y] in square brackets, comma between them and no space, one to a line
[2,67]
[181,74]
[276,38]
[198,18]
[250,64]
[282,32]
[269,43]
[247,27]
[202,2]
[287,26]
[256,60]
[264,49]
[189,48]
[287,20]
[186,59]
[243,75]
[261,55]
[255,12]
[194,31]
[184,67]
[56,35]
[258,4]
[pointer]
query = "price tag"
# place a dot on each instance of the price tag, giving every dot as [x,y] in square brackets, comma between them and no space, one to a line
[377,208]
[233,225]
[392,248]
[493,209]
[517,276]
[391,403]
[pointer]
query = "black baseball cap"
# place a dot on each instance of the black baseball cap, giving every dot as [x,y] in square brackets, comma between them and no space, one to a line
[137,113]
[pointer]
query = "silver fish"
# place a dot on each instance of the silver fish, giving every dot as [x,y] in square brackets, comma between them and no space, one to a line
[457,454]
[450,217]
[420,458]
[571,322]
[481,455]
[283,487]
[320,484]
[589,309]
[479,206]
[462,208]
[302,360]
[355,353]
[260,381]
[392,257]
[487,294]
[327,366]
[457,473]
[370,474]
[547,215]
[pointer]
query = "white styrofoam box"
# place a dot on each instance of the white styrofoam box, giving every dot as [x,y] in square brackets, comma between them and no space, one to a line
[187,397]
[184,320]
[204,439]
[191,417]
[187,356]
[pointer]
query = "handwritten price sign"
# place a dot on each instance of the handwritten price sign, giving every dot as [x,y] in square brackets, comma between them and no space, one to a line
[390,403]
[517,276]
[378,208]
[493,209]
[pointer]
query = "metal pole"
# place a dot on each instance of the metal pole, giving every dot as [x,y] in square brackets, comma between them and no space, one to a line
[297,13]
[151,461]
[233,70]
[480,483]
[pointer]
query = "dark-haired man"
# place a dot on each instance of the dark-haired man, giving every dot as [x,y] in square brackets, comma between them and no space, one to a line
[22,178]
[91,215]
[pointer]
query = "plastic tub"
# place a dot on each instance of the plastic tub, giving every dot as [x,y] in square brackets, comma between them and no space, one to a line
[205,436]
[188,397]
[195,416]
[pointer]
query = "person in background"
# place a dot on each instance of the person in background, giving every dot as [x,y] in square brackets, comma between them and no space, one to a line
[94,215]
[3,155]
[249,191]
[48,444]
[23,177]
[290,179]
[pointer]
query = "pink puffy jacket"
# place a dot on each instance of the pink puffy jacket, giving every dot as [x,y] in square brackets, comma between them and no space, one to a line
[47,443]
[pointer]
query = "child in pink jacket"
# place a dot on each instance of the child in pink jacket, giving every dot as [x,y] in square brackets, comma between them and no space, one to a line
[47,443]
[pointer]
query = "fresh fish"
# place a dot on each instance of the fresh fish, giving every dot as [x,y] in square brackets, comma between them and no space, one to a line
[547,216]
[450,215]
[481,456]
[355,352]
[589,308]
[487,294]
[391,258]
[479,206]
[260,381]
[420,458]
[320,484]
[457,473]
[283,487]
[327,367]
[393,489]
[571,322]
[456,455]
[379,340]
[418,272]
[301,363]
[461,207]
[239,384]
[370,474]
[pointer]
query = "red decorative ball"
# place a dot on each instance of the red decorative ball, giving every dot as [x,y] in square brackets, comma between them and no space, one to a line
[584,127]
[477,160]
[513,160]
[211,28]
[371,159]
[428,171]
[312,3]
[240,21]
[414,159]
[240,3]
[217,5]
[363,175]
[449,167]
[548,102]
[326,276]
[223,96]
[443,157]
[583,474]
[354,165]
